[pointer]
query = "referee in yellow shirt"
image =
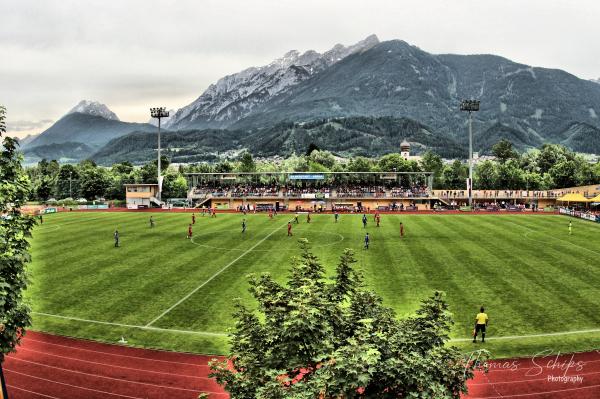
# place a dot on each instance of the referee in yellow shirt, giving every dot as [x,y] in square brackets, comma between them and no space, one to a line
[481,321]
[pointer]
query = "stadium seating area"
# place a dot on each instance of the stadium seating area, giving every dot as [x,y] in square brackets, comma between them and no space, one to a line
[292,191]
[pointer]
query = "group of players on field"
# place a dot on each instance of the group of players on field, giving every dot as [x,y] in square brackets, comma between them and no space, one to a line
[481,319]
[272,213]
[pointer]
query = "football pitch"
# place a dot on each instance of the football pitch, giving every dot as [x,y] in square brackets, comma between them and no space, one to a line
[540,285]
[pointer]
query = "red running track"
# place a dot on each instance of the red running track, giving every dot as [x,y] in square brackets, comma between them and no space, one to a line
[50,366]
[555,376]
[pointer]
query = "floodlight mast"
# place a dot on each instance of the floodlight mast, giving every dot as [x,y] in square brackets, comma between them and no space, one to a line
[158,113]
[470,106]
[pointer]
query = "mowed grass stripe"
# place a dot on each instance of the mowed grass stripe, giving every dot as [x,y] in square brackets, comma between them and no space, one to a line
[557,226]
[462,259]
[559,277]
[213,305]
[139,266]
[539,268]
[431,261]
[512,278]
[207,281]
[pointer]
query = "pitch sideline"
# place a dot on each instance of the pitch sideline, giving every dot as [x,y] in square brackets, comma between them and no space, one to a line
[108,323]
[506,337]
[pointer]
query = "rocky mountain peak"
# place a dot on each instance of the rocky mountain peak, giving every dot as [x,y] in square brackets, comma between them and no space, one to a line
[234,96]
[94,108]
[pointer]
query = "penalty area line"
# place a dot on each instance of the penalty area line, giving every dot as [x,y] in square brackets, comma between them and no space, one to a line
[227,266]
[108,323]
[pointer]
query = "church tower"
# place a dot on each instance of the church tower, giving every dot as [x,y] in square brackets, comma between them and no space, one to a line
[405,149]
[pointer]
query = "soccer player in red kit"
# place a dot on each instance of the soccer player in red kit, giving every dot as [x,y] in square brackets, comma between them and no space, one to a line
[289,229]
[189,235]
[378,219]
[308,218]
[193,218]
[270,214]
[401,230]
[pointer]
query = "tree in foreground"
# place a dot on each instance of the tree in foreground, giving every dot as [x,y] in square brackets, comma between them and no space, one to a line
[320,338]
[15,228]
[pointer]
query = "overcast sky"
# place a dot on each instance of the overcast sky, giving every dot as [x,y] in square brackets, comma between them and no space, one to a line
[133,54]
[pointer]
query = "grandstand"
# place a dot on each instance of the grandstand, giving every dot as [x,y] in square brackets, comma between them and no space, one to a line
[308,191]
[357,191]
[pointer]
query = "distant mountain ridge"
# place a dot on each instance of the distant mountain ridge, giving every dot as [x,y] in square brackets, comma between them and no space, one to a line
[87,129]
[235,96]
[345,137]
[396,79]
[527,105]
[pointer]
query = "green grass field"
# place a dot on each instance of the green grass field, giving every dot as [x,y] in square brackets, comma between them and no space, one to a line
[161,290]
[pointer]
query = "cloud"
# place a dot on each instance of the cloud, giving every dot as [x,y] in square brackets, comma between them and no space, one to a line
[132,54]
[23,126]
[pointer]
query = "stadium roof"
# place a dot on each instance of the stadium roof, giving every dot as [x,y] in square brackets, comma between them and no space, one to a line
[296,173]
[141,184]
[595,199]
[573,197]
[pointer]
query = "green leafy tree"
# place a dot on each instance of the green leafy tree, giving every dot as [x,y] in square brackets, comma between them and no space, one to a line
[322,157]
[455,175]
[93,183]
[15,229]
[550,155]
[247,163]
[174,186]
[503,151]
[312,147]
[564,173]
[391,162]
[224,167]
[68,176]
[533,181]
[43,188]
[510,175]
[149,173]
[123,168]
[432,162]
[320,338]
[53,169]
[359,164]
[486,176]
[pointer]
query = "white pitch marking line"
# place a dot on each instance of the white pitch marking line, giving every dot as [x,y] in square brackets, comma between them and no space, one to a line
[211,278]
[554,334]
[530,230]
[108,323]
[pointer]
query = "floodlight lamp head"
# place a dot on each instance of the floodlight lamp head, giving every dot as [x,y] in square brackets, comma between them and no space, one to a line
[159,112]
[469,105]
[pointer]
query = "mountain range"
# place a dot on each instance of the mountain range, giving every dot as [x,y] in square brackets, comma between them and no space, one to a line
[392,79]
[82,131]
